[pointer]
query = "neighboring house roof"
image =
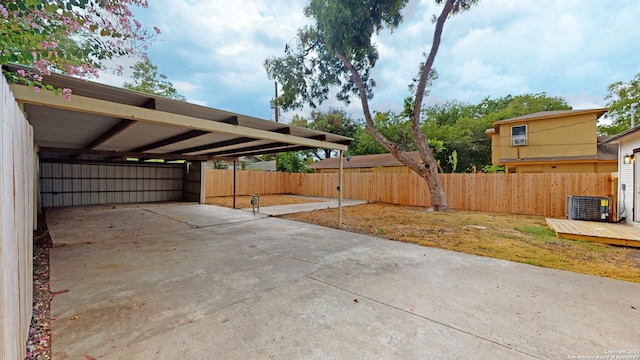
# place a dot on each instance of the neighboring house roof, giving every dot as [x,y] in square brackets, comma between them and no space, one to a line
[364,161]
[250,159]
[262,166]
[615,138]
[550,114]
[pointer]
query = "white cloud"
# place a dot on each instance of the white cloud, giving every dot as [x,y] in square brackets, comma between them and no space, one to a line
[583,100]
[185,86]
[197,102]
[216,50]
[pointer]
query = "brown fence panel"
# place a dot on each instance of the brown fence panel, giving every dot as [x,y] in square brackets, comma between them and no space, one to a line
[532,194]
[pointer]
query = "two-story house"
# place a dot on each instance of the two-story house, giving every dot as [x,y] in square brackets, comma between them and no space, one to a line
[552,141]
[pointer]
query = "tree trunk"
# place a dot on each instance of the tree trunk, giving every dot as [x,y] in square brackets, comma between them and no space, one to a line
[428,169]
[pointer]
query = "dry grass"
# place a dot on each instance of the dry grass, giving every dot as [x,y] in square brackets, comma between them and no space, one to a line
[521,238]
[244,201]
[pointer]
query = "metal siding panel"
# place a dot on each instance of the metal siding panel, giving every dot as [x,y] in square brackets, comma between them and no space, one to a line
[94,171]
[67,185]
[67,199]
[77,198]
[86,171]
[57,185]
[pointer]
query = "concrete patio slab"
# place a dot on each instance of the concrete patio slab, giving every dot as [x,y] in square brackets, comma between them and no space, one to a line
[260,287]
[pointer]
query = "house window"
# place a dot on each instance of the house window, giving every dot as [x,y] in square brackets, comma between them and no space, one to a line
[519,135]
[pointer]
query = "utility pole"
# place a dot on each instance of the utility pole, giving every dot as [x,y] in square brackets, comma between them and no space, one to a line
[276,109]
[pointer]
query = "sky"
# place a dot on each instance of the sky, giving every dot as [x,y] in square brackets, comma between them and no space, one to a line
[213,51]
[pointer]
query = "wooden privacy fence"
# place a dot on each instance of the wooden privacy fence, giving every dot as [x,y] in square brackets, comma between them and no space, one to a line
[16,223]
[531,194]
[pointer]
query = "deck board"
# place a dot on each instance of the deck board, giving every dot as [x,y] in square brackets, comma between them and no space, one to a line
[616,234]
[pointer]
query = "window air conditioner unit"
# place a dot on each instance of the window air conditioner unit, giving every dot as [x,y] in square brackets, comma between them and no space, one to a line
[588,208]
[518,141]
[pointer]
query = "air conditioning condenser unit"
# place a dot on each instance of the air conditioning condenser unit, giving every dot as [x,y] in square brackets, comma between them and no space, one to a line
[589,208]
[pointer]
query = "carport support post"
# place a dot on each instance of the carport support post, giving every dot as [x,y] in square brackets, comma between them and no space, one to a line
[234,184]
[340,192]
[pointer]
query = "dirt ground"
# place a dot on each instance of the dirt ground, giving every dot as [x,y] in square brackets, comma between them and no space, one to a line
[244,201]
[521,238]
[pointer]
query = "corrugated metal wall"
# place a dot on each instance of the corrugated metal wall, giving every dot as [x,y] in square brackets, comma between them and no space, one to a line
[71,184]
[193,184]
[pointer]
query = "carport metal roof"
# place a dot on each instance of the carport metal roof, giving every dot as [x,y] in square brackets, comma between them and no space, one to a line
[109,123]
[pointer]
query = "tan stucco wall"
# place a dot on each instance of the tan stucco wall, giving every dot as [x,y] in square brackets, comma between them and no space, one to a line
[592,167]
[573,135]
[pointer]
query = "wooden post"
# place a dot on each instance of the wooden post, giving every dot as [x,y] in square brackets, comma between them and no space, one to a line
[340,192]
[277,118]
[234,184]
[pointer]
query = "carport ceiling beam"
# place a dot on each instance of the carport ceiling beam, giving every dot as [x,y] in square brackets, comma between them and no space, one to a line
[115,130]
[172,140]
[120,154]
[215,145]
[248,149]
[88,105]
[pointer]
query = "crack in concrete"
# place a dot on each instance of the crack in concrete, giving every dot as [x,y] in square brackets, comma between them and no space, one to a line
[507,346]
[194,226]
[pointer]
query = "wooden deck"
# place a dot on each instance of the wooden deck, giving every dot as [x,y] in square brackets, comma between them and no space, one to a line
[615,234]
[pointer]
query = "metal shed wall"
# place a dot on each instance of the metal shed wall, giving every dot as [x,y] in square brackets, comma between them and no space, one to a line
[85,183]
[193,189]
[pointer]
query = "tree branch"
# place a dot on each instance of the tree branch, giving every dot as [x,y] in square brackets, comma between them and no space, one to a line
[382,140]
[420,138]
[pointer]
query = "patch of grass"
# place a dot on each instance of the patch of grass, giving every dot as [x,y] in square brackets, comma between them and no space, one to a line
[537,230]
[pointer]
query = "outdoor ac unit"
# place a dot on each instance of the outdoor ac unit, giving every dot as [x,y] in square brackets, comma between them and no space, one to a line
[518,141]
[589,208]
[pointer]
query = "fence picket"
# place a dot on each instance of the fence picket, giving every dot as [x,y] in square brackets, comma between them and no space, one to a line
[531,194]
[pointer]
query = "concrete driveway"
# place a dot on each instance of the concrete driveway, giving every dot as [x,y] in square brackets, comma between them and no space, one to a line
[205,282]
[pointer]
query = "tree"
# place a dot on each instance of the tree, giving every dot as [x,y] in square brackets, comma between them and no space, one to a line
[72,37]
[146,79]
[337,50]
[334,121]
[291,162]
[621,96]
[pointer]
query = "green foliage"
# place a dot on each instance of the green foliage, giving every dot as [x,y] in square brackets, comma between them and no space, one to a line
[453,161]
[334,121]
[309,69]
[291,162]
[396,128]
[621,96]
[493,169]
[147,79]
[220,165]
[69,36]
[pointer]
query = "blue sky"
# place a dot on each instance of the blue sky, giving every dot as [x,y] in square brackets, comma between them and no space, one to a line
[213,51]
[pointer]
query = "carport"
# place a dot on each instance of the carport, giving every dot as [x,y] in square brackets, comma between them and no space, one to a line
[86,145]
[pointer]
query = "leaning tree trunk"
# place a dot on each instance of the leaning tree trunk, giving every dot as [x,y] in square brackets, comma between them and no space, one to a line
[428,169]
